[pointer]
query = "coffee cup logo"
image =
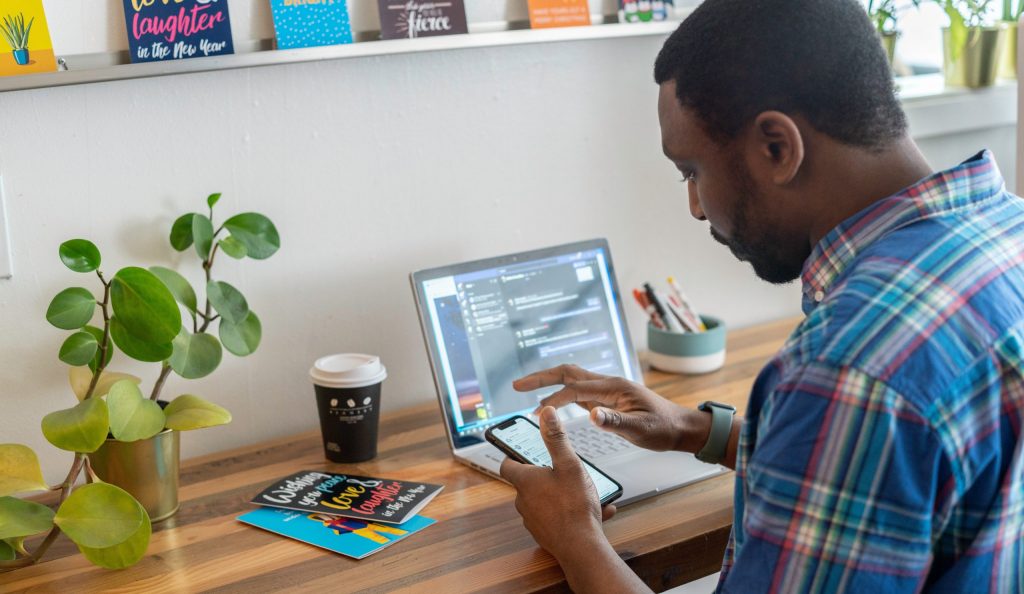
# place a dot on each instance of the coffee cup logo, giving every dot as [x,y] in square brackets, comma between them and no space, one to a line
[351,403]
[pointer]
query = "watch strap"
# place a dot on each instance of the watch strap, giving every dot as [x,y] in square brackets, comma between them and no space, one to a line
[714,449]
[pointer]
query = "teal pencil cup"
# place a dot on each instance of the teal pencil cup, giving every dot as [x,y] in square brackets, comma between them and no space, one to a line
[691,352]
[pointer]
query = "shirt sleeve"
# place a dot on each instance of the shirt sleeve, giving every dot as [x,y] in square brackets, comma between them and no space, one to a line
[840,490]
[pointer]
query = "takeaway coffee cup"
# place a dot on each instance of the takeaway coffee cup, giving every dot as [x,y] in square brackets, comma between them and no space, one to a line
[348,399]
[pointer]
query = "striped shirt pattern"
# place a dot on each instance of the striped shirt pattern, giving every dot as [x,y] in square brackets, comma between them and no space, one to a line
[882,448]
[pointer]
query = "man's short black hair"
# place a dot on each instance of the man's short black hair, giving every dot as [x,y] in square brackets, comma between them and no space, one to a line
[822,59]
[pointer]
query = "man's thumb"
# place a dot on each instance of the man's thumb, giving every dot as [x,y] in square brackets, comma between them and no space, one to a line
[556,439]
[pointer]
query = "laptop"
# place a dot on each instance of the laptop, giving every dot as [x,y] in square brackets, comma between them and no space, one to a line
[488,322]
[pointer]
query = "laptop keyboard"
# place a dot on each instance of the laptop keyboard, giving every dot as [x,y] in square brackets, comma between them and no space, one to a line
[591,442]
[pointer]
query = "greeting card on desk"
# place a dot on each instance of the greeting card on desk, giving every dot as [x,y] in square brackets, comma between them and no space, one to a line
[355,538]
[163,30]
[311,24]
[406,19]
[545,14]
[361,497]
[25,45]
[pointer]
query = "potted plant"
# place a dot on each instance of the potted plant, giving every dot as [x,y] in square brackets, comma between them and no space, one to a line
[971,49]
[124,442]
[885,16]
[16,33]
[1008,61]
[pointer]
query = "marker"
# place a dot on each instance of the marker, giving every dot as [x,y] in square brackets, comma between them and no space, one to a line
[670,321]
[687,306]
[648,308]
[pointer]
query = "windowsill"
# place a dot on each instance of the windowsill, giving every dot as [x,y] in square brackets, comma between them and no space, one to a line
[934,109]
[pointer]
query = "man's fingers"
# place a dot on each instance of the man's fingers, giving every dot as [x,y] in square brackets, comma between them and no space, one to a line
[618,422]
[607,512]
[556,440]
[561,375]
[602,390]
[511,471]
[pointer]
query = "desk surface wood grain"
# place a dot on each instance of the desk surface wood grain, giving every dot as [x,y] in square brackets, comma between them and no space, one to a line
[478,544]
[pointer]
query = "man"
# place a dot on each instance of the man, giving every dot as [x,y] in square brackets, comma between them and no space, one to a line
[881,449]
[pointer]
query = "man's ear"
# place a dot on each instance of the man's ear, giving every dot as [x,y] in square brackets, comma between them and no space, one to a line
[780,145]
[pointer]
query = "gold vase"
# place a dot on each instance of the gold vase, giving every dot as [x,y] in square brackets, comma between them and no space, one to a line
[148,469]
[889,44]
[978,62]
[1008,60]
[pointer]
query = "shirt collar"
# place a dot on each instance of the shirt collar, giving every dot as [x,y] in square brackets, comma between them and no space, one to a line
[974,180]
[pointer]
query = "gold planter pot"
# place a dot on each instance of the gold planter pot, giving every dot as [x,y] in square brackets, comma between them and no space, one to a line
[148,469]
[889,44]
[978,62]
[1008,61]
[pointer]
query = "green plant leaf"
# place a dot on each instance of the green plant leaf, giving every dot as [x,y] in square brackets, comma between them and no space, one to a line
[6,551]
[228,301]
[232,247]
[82,428]
[202,232]
[99,515]
[181,232]
[241,339]
[18,544]
[80,255]
[19,470]
[257,233]
[212,199]
[79,348]
[71,308]
[132,416]
[136,348]
[125,554]
[19,517]
[179,287]
[80,377]
[195,355]
[98,335]
[189,412]
[144,305]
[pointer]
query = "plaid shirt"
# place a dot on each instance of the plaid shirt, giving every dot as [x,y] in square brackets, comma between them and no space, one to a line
[882,448]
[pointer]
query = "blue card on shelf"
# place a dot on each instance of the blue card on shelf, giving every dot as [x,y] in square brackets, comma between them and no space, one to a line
[301,24]
[160,30]
[354,538]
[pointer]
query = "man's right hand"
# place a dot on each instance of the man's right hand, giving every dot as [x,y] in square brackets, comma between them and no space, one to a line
[623,407]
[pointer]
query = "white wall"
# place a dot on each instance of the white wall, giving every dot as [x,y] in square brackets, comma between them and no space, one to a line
[371,168]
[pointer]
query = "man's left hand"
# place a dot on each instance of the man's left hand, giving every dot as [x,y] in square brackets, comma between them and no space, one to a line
[559,505]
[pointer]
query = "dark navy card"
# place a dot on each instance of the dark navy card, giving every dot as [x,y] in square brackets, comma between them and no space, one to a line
[177,29]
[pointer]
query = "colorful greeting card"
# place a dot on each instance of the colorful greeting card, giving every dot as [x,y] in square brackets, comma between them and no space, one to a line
[362,497]
[406,19]
[311,23]
[177,29]
[545,14]
[355,538]
[25,45]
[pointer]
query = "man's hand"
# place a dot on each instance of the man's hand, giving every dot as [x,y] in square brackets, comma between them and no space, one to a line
[623,407]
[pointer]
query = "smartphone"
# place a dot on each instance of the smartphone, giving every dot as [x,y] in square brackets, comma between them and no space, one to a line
[520,439]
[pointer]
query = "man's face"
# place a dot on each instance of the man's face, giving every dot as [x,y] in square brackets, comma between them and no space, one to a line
[723,191]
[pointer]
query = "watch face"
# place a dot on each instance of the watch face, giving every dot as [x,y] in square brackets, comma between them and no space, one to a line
[704,406]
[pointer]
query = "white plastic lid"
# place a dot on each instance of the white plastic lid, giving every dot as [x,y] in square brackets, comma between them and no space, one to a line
[348,370]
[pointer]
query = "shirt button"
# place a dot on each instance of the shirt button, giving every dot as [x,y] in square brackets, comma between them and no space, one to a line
[819,296]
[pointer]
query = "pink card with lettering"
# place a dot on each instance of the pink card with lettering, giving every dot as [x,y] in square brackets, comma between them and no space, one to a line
[177,29]
[408,19]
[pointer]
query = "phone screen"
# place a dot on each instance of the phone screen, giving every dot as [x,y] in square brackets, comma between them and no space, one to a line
[524,437]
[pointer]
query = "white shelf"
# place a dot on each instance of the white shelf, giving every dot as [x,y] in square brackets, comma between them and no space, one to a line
[112,67]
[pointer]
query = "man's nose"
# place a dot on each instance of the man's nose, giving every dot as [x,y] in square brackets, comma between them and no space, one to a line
[695,209]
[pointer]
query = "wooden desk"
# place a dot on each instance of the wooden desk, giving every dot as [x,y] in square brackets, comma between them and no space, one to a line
[478,544]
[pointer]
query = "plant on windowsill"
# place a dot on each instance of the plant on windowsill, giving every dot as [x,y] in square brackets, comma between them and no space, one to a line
[1008,61]
[885,16]
[971,47]
[108,517]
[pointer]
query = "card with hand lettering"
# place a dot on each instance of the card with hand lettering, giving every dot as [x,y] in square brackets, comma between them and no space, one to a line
[25,45]
[545,14]
[407,19]
[162,30]
[355,538]
[373,499]
[311,23]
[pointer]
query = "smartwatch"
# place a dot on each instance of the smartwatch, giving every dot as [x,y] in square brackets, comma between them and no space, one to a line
[713,451]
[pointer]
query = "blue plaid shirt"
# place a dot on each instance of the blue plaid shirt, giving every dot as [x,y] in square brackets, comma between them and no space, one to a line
[882,448]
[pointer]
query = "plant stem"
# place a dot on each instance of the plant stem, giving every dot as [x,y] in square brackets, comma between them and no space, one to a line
[65,490]
[159,385]
[105,343]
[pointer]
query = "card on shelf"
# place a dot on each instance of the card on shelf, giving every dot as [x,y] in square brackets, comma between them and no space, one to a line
[408,19]
[25,45]
[354,538]
[545,14]
[311,24]
[161,30]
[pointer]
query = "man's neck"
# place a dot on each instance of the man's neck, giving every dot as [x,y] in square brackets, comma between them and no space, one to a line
[858,179]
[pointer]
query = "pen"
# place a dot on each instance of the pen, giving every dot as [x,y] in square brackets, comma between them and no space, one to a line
[670,321]
[641,298]
[686,305]
[680,313]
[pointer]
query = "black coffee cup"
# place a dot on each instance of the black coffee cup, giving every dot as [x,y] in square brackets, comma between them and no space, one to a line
[348,399]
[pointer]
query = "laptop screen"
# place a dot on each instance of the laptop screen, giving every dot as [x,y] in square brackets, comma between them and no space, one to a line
[489,322]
